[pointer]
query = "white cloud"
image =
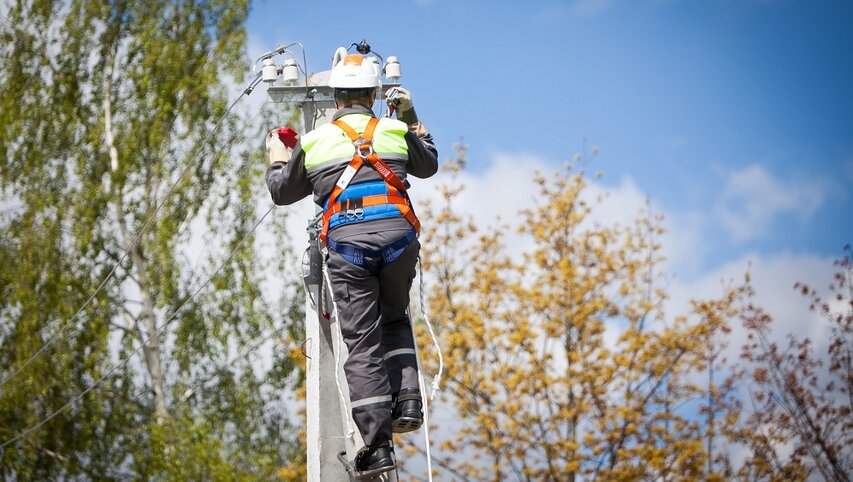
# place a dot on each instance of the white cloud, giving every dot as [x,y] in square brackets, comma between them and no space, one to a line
[685,243]
[505,187]
[496,195]
[620,204]
[773,277]
[492,197]
[753,198]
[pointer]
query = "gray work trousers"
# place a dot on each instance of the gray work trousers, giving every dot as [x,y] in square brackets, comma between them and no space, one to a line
[378,333]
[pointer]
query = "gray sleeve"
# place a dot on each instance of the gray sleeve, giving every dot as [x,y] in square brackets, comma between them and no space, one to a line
[289,182]
[423,156]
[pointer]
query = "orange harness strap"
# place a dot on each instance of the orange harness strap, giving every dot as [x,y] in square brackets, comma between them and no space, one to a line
[364,150]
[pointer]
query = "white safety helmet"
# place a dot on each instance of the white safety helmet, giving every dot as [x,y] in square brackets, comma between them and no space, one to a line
[354,71]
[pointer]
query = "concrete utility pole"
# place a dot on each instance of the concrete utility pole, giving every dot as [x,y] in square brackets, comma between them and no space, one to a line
[328,421]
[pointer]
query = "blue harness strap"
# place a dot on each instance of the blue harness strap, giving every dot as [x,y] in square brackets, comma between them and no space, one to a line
[373,259]
[352,208]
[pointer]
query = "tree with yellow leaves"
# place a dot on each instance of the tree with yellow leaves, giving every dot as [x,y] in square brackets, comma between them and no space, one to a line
[561,363]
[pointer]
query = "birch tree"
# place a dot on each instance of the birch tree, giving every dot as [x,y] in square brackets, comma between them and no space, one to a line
[111,163]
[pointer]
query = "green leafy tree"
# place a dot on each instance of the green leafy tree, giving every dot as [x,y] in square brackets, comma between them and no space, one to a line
[117,155]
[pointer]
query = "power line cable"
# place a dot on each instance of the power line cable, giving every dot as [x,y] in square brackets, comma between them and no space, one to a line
[157,332]
[198,255]
[183,101]
[133,244]
[245,353]
[196,274]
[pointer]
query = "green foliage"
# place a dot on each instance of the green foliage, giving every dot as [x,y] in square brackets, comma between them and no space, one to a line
[104,106]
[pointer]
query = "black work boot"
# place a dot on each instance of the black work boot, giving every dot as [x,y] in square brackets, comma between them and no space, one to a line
[373,460]
[406,413]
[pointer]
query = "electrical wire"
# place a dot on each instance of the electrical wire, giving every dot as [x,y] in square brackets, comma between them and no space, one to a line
[304,69]
[194,275]
[157,332]
[150,218]
[132,245]
[245,353]
[280,50]
[304,61]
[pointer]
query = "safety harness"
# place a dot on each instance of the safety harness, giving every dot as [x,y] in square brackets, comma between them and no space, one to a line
[396,195]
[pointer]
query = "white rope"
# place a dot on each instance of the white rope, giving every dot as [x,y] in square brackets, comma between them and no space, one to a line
[347,416]
[436,382]
[426,407]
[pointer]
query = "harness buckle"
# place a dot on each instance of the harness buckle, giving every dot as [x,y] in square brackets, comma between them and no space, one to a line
[363,149]
[354,214]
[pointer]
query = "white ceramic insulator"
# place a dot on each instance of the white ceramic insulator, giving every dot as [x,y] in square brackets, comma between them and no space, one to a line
[270,72]
[290,71]
[392,69]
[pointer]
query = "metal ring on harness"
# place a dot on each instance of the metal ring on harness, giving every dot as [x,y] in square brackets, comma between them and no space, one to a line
[363,148]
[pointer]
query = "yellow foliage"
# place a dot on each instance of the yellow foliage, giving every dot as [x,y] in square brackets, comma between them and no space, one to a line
[539,392]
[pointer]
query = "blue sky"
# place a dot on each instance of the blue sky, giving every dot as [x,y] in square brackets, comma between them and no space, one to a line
[735,117]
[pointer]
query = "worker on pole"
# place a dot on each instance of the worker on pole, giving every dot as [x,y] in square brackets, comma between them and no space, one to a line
[357,168]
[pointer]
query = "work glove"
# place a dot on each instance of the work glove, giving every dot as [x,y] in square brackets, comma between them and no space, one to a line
[280,143]
[401,99]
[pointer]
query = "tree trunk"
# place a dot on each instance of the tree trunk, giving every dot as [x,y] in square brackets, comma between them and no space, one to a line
[149,337]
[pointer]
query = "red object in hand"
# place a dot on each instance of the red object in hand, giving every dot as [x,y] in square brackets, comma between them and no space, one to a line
[287,136]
